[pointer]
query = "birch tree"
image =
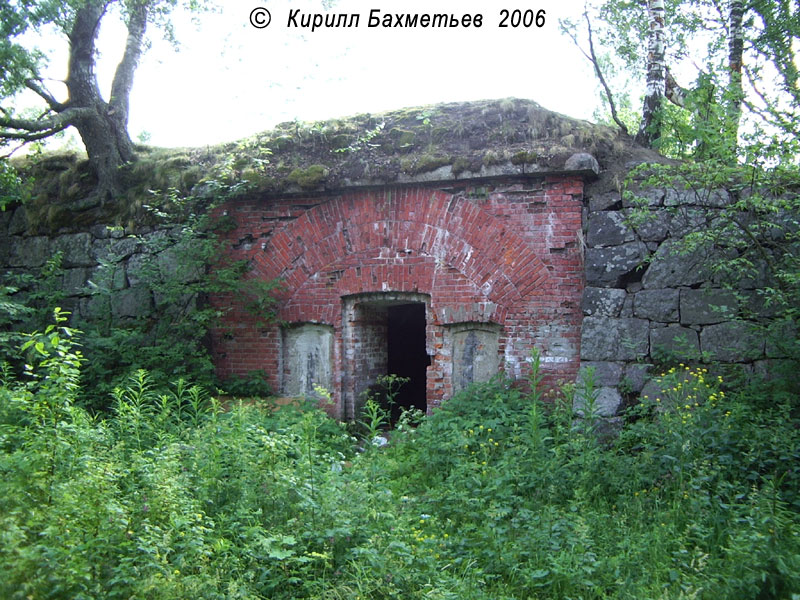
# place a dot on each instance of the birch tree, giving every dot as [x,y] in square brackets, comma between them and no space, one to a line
[715,61]
[649,127]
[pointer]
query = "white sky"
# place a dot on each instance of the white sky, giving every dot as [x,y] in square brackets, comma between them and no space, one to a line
[229,80]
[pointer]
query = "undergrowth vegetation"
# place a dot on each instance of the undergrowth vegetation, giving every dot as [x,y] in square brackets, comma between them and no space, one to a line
[497,495]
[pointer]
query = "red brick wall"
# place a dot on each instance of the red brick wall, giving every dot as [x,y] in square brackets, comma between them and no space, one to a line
[506,252]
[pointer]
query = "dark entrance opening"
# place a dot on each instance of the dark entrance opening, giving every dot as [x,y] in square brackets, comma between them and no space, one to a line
[407,356]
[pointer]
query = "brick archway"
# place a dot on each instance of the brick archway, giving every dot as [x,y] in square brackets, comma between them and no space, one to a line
[404,228]
[507,263]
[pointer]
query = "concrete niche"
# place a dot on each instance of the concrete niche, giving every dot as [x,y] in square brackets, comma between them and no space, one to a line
[475,353]
[307,358]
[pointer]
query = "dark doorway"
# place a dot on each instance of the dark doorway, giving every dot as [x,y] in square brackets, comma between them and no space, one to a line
[407,356]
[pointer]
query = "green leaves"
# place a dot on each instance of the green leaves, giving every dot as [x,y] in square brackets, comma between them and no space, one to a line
[496,495]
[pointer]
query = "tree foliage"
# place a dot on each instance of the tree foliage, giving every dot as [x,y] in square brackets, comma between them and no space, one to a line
[729,65]
[101,121]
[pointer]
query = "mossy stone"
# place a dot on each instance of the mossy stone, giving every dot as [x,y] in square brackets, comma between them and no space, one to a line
[428,162]
[524,157]
[309,178]
[460,165]
[402,139]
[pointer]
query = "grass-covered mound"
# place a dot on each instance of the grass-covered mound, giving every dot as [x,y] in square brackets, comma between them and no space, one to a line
[495,496]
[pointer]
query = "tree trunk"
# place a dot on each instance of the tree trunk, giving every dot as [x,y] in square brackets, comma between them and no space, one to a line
[650,127]
[104,127]
[733,109]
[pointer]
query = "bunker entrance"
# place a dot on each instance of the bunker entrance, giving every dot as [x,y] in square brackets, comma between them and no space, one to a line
[385,334]
[406,355]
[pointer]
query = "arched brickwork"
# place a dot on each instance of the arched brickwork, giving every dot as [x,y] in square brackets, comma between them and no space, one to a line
[405,225]
[510,258]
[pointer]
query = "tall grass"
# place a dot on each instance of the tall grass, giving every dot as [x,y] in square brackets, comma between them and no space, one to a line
[496,495]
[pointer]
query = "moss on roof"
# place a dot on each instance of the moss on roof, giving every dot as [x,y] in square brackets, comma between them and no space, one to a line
[428,143]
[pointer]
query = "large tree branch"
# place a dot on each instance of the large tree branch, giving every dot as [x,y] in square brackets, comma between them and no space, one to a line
[81,80]
[33,84]
[57,122]
[673,91]
[123,76]
[28,136]
[592,58]
[599,74]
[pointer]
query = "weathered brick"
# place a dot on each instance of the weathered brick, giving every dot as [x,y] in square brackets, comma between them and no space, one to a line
[512,259]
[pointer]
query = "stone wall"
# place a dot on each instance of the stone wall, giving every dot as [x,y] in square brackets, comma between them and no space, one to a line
[641,302]
[645,302]
[106,272]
